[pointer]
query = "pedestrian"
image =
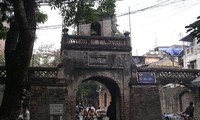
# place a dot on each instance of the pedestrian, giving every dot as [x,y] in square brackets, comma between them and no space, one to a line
[27,114]
[85,113]
[189,111]
[90,113]
[111,111]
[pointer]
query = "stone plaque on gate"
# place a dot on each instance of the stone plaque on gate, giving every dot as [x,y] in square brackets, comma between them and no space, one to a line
[56,109]
[98,60]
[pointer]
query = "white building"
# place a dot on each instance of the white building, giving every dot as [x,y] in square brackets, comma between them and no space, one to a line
[191,56]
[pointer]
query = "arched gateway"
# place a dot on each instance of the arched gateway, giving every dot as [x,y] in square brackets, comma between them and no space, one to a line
[106,60]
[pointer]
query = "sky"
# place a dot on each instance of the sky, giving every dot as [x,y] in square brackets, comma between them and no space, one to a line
[152,23]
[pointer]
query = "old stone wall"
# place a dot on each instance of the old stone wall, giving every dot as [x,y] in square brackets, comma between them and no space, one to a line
[48,102]
[175,99]
[145,103]
[110,68]
[197,103]
[106,27]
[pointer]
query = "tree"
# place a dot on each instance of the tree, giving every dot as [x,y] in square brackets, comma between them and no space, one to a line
[46,56]
[115,31]
[20,40]
[88,93]
[83,11]
[18,50]
[6,16]
[2,58]
[1,92]
[194,29]
[21,15]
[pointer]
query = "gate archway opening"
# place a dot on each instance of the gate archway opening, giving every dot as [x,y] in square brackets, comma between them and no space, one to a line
[107,91]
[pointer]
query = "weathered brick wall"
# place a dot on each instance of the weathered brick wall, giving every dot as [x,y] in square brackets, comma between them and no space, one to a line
[197,104]
[145,103]
[44,96]
[106,27]
[175,99]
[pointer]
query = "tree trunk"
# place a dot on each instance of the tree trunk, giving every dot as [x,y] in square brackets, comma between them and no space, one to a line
[18,62]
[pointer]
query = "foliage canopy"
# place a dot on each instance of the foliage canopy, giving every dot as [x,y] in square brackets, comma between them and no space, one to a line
[7,16]
[83,11]
[23,16]
[194,29]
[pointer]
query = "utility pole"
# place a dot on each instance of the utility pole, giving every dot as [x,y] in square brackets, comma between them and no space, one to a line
[130,25]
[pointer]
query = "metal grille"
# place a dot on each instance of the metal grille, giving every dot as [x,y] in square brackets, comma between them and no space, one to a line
[43,72]
[2,72]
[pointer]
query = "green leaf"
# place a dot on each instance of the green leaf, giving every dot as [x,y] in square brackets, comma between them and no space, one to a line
[194,29]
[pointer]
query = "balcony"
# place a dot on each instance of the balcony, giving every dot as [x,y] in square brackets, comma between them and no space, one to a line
[75,42]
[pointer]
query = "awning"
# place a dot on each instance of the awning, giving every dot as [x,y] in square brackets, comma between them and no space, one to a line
[174,51]
[196,82]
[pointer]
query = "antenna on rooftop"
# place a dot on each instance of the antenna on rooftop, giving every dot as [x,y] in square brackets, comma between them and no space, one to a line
[156,45]
[136,52]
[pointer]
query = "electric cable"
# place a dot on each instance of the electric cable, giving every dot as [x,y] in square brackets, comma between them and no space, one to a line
[158,5]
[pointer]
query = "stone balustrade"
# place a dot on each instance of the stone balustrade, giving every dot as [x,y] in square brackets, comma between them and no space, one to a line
[95,42]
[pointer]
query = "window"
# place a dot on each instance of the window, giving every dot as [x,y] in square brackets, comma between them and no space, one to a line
[105,99]
[192,50]
[192,65]
[95,29]
[188,51]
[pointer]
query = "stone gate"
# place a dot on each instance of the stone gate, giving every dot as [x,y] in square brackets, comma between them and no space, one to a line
[103,59]
[106,60]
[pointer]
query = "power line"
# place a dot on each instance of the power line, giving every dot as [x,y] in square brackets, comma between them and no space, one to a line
[131,12]
[158,5]
[176,12]
[141,10]
[47,2]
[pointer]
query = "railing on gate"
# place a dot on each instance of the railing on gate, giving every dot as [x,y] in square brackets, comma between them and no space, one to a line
[164,75]
[95,42]
[33,73]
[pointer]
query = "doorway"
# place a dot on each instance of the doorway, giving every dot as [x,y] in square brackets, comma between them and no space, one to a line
[98,93]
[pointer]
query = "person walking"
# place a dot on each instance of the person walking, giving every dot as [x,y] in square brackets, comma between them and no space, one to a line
[111,112]
[189,111]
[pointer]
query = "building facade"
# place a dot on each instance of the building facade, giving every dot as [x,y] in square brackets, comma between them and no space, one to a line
[191,56]
[161,56]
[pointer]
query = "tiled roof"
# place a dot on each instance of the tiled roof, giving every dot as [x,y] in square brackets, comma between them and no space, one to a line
[187,38]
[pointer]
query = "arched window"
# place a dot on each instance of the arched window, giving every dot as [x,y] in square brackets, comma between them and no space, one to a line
[95,29]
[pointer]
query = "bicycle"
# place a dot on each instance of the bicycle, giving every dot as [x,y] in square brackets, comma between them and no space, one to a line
[186,117]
